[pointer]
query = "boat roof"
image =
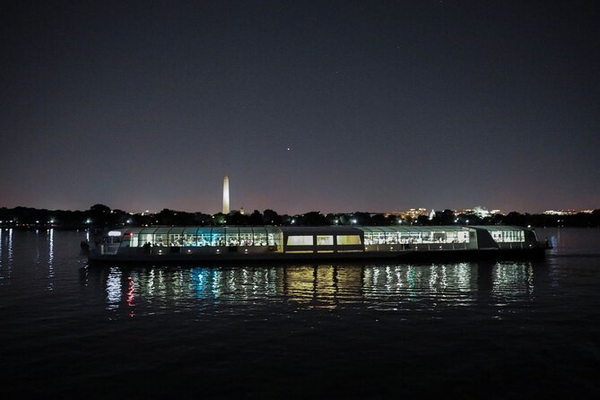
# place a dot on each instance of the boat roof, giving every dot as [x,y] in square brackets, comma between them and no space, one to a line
[194,230]
[321,230]
[309,230]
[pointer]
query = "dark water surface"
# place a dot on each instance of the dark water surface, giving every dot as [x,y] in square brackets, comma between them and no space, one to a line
[370,330]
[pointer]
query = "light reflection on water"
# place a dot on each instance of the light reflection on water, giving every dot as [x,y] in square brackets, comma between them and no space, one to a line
[113,288]
[511,282]
[325,286]
[6,252]
[50,274]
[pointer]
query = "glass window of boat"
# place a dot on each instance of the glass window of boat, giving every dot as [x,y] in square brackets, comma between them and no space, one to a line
[501,234]
[259,237]
[189,237]
[508,236]
[497,236]
[217,237]
[324,240]
[374,238]
[414,237]
[274,235]
[134,239]
[145,235]
[138,238]
[176,237]
[519,236]
[403,237]
[371,236]
[343,240]
[439,237]
[204,236]
[300,240]
[391,237]
[273,239]
[426,237]
[378,238]
[454,237]
[175,240]
[246,236]
[232,236]
[160,237]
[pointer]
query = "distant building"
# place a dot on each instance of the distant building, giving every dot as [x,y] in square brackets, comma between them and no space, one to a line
[562,212]
[414,213]
[481,212]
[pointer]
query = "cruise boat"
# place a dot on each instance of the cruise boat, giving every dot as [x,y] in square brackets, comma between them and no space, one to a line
[286,243]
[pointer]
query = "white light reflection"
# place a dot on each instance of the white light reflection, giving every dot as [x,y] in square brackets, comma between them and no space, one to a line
[452,283]
[388,278]
[512,281]
[178,282]
[113,288]
[10,249]
[463,272]
[50,275]
[236,285]
[150,284]
[231,284]
[38,253]
[216,290]
[3,270]
[200,277]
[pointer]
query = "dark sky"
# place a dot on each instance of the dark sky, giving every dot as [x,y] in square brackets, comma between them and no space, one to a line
[383,105]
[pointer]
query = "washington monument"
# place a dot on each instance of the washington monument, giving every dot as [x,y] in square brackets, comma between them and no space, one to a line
[226,195]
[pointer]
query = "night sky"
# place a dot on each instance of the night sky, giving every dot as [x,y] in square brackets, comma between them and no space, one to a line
[324,106]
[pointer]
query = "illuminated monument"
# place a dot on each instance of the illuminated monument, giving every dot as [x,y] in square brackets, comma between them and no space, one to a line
[226,195]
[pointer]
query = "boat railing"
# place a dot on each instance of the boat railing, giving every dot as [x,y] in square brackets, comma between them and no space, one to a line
[417,247]
[438,247]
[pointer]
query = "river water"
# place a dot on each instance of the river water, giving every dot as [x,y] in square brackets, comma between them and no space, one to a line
[364,330]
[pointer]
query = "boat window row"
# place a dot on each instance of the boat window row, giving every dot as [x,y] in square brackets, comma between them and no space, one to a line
[508,236]
[323,240]
[273,236]
[213,238]
[416,237]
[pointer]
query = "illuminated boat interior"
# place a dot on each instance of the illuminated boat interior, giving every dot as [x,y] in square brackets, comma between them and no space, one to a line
[304,240]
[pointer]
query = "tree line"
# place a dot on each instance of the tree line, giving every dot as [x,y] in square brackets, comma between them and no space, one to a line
[102,216]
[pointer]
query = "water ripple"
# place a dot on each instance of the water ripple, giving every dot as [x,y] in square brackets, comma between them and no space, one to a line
[384,287]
